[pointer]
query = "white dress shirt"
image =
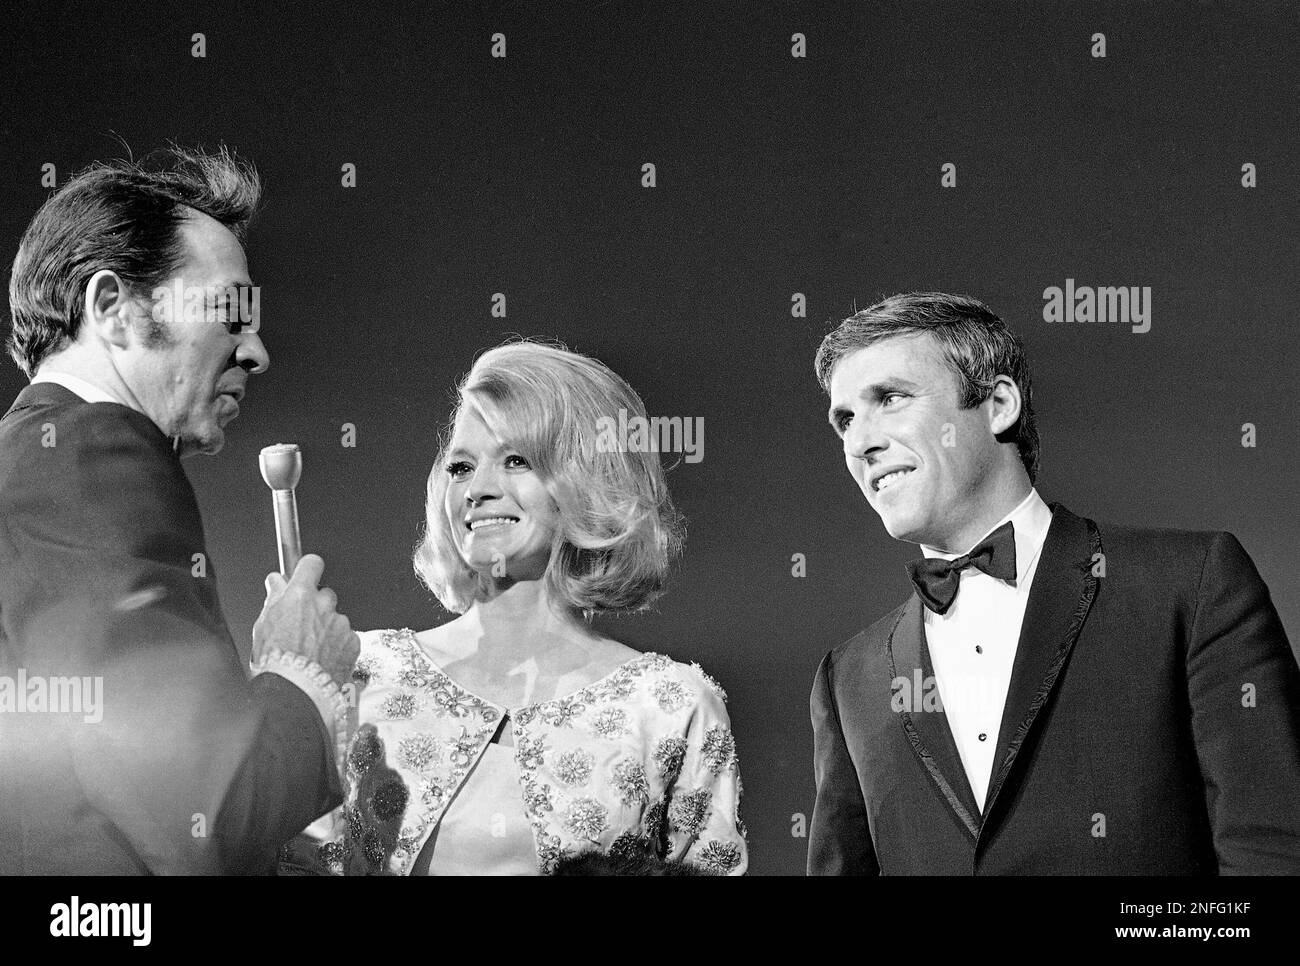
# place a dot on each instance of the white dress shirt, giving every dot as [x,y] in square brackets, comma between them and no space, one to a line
[75,384]
[973,646]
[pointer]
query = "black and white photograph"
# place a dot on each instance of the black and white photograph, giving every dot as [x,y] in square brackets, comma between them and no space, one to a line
[777,440]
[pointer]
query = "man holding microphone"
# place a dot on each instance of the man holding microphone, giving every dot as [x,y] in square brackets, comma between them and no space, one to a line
[188,767]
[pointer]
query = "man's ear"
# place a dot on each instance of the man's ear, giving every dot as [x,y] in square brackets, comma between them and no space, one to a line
[1005,404]
[106,312]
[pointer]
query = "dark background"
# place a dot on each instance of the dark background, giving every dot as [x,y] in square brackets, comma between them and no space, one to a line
[776,175]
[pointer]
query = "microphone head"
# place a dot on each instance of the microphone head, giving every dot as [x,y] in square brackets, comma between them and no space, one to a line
[281,465]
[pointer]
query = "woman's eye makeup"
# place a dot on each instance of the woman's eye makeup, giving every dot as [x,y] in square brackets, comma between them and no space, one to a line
[513,461]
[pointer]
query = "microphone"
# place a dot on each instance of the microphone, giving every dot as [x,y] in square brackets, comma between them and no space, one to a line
[281,466]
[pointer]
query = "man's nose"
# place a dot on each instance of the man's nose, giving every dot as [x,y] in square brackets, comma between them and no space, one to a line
[251,354]
[863,439]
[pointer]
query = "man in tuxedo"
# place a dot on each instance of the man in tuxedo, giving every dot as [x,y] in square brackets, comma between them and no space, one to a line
[132,740]
[1057,695]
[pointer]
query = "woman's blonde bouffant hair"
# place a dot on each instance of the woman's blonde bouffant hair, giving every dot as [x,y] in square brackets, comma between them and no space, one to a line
[618,531]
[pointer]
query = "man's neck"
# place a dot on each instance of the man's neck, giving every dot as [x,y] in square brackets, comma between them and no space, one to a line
[996,506]
[95,371]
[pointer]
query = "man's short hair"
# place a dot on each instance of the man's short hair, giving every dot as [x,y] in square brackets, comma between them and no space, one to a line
[976,344]
[618,531]
[119,216]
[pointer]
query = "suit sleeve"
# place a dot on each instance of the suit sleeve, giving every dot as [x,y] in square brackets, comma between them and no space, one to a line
[839,841]
[288,775]
[189,767]
[1244,690]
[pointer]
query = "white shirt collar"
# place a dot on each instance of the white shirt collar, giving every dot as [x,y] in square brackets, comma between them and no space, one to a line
[75,384]
[1030,521]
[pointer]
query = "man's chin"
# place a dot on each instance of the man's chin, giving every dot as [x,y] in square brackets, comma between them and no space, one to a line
[900,527]
[208,445]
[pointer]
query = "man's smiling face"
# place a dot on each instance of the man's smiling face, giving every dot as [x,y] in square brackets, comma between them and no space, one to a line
[922,461]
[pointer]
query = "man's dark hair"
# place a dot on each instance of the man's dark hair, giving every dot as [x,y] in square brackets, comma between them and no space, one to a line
[124,217]
[976,344]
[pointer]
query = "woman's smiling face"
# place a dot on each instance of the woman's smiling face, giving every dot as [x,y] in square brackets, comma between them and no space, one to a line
[500,513]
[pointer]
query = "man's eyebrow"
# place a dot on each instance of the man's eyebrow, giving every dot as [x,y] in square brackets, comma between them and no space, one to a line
[893,382]
[873,391]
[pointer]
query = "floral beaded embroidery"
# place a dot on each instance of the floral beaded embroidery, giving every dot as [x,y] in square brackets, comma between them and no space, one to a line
[559,714]
[530,752]
[332,855]
[389,800]
[690,812]
[719,749]
[574,767]
[418,751]
[610,723]
[434,796]
[549,851]
[363,670]
[537,798]
[668,757]
[629,845]
[671,695]
[450,700]
[398,707]
[441,761]
[367,748]
[630,782]
[587,758]
[719,857]
[586,818]
[413,675]
[463,750]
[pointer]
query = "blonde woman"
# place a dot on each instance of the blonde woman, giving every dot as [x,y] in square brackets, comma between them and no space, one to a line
[515,739]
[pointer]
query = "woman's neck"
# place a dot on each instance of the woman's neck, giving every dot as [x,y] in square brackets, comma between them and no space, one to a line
[519,622]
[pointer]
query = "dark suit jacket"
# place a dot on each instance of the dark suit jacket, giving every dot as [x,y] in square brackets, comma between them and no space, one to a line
[1130,713]
[104,573]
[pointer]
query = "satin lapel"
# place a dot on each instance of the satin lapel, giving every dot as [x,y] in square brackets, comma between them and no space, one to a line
[1063,590]
[927,731]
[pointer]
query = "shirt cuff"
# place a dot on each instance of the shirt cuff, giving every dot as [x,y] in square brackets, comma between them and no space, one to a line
[317,684]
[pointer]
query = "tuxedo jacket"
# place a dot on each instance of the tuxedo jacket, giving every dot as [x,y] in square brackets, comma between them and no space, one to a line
[187,767]
[1152,726]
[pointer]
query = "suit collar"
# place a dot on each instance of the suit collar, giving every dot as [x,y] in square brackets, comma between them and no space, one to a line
[43,394]
[1062,593]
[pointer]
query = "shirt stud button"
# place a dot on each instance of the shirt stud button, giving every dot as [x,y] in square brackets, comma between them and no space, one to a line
[984,737]
[979,649]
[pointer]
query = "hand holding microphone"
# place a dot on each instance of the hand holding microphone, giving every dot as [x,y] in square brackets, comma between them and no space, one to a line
[299,617]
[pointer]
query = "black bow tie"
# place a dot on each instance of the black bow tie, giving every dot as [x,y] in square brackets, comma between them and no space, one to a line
[937,579]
